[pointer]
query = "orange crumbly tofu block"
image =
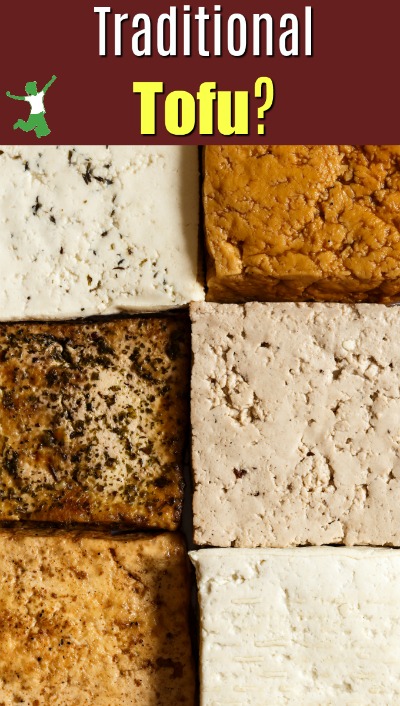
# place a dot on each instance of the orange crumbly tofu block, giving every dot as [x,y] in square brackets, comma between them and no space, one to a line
[303,222]
[94,621]
[92,421]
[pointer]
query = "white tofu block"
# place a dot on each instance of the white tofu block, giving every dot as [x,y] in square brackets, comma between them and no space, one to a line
[302,627]
[97,230]
[296,424]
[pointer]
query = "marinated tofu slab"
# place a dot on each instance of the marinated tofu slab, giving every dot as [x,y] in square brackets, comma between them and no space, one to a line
[90,621]
[87,230]
[310,626]
[303,222]
[296,424]
[93,421]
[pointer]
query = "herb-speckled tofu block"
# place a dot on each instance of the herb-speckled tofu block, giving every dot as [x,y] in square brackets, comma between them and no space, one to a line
[88,230]
[94,621]
[93,421]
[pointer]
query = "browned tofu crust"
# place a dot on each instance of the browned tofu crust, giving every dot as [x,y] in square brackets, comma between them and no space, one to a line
[93,420]
[303,222]
[94,621]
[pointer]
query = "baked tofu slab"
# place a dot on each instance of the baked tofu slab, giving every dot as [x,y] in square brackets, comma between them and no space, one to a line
[92,421]
[303,222]
[94,621]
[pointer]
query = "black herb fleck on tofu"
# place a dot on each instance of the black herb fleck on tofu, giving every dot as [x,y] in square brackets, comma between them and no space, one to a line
[36,206]
[10,462]
[8,399]
[87,176]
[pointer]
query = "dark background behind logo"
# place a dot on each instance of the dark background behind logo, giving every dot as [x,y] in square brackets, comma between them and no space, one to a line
[346,93]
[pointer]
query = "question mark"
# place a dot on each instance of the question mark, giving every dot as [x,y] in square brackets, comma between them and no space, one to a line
[260,84]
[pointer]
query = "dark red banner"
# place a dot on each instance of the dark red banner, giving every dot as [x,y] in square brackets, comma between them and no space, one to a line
[346,92]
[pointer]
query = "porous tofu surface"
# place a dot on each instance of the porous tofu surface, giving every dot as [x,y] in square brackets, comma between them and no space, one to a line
[91,620]
[303,222]
[93,421]
[89,230]
[296,424]
[309,626]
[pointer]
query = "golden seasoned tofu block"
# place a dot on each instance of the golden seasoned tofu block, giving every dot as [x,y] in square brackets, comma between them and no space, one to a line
[92,421]
[94,621]
[303,222]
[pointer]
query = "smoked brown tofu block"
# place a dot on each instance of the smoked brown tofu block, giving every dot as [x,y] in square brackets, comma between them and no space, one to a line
[303,222]
[296,424]
[94,621]
[93,421]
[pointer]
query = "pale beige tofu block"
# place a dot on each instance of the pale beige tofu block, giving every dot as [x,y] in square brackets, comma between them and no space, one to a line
[94,620]
[296,424]
[300,627]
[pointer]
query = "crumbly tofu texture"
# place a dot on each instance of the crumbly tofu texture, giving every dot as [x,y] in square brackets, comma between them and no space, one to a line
[93,421]
[303,222]
[94,620]
[296,424]
[97,230]
[306,626]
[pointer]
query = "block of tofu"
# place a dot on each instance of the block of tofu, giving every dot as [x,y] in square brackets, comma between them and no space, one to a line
[296,424]
[305,627]
[93,421]
[303,222]
[97,230]
[94,621]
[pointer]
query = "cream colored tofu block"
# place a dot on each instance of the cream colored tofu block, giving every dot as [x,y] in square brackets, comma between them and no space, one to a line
[97,230]
[304,627]
[296,424]
[94,621]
